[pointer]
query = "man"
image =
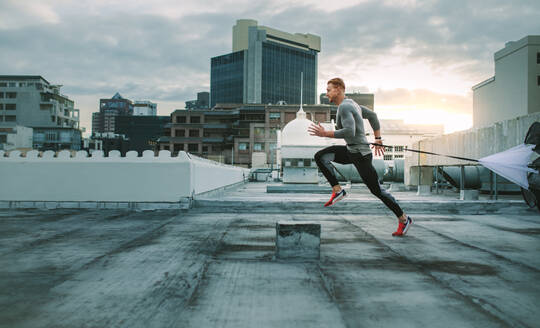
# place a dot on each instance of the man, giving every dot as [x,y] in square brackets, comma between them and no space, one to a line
[350,126]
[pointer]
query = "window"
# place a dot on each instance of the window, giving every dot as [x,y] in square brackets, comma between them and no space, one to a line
[193,148]
[387,157]
[1,95]
[11,118]
[243,146]
[178,147]
[3,138]
[12,84]
[195,119]
[180,119]
[11,95]
[205,149]
[398,148]
[289,117]
[259,132]
[45,106]
[538,78]
[166,147]
[1,106]
[258,146]
[3,84]
[538,57]
[193,133]
[179,133]
[320,117]
[275,115]
[11,106]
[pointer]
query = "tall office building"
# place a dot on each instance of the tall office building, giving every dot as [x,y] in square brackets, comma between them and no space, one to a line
[265,67]
[109,109]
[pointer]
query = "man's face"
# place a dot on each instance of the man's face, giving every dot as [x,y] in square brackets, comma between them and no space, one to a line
[332,92]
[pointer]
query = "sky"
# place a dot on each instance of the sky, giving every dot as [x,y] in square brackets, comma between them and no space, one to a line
[420,58]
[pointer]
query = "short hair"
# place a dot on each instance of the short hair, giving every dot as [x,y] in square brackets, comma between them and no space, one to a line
[337,82]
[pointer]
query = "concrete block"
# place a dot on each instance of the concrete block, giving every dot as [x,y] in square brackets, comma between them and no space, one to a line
[468,194]
[424,190]
[298,240]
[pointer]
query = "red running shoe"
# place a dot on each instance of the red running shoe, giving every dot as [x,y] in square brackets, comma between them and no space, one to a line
[403,227]
[336,197]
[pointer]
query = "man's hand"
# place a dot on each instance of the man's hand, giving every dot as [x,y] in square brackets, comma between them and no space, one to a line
[317,130]
[379,150]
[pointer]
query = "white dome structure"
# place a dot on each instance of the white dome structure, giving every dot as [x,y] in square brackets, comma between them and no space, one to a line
[295,133]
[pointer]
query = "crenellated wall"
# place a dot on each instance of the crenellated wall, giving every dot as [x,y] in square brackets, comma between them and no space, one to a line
[79,178]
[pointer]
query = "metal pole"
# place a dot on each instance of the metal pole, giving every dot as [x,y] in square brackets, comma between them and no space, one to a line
[495,183]
[232,155]
[490,184]
[437,179]
[462,178]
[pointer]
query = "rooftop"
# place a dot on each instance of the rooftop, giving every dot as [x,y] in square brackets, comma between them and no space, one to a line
[474,264]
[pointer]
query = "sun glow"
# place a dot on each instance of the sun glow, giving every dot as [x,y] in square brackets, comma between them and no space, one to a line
[452,122]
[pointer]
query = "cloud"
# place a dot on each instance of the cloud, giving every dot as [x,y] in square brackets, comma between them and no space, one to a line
[406,52]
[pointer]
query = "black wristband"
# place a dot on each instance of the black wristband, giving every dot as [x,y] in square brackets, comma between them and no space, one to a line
[378,138]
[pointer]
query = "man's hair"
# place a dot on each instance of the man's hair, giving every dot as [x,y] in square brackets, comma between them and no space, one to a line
[337,82]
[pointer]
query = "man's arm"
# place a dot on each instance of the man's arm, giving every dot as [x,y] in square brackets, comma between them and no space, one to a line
[371,116]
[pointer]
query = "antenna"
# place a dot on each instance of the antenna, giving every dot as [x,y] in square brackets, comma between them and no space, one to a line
[301,88]
[301,114]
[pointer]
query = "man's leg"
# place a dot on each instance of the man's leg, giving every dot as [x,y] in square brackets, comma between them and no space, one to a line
[323,158]
[369,175]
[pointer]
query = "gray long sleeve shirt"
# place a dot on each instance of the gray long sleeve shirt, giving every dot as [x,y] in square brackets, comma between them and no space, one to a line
[350,125]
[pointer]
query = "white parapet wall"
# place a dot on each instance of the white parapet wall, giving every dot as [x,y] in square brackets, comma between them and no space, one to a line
[78,178]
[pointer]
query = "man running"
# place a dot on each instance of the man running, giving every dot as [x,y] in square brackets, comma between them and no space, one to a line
[350,126]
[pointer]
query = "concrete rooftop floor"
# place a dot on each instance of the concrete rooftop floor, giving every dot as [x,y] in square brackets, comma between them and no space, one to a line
[214,266]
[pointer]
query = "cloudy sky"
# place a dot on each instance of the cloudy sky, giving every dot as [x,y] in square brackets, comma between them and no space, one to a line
[420,58]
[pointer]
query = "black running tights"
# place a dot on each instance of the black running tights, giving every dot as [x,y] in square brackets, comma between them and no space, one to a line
[341,155]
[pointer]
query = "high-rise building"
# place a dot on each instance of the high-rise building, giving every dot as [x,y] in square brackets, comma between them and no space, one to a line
[105,119]
[515,89]
[265,67]
[31,101]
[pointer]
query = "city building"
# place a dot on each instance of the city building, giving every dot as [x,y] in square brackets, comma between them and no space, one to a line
[400,136]
[235,133]
[202,101]
[141,132]
[15,137]
[265,67]
[109,109]
[31,101]
[57,138]
[144,108]
[514,90]
[364,99]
